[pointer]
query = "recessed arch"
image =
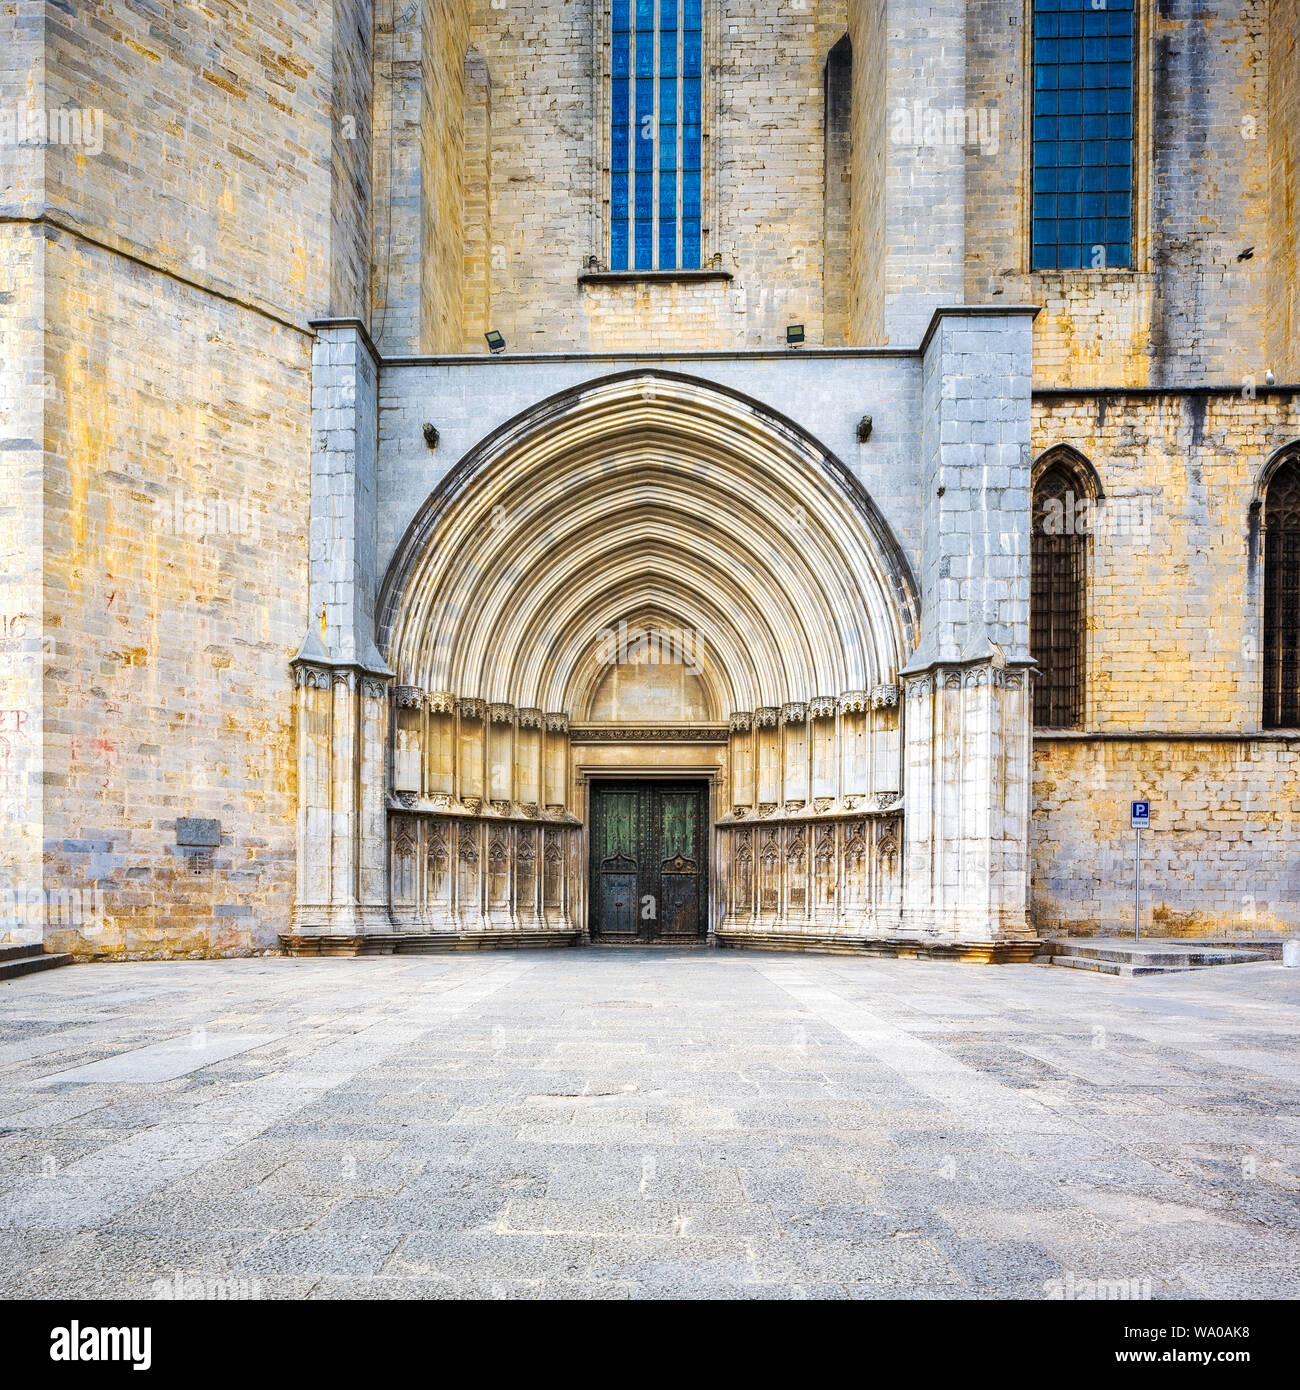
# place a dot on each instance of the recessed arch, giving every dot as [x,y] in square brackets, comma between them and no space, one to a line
[648,493]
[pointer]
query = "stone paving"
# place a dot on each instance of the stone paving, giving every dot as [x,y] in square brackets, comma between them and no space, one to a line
[624,1124]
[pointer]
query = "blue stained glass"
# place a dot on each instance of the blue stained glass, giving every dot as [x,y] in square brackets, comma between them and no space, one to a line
[1082,133]
[690,197]
[645,249]
[691,147]
[656,130]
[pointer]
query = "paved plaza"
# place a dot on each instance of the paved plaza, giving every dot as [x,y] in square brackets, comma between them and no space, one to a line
[607,1123]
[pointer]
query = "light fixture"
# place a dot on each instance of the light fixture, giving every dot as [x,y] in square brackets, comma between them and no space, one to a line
[495,342]
[864,429]
[431,435]
[794,335]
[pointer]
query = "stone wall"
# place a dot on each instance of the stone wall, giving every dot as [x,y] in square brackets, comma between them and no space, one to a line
[176,239]
[1173,605]
[1173,642]
[1222,857]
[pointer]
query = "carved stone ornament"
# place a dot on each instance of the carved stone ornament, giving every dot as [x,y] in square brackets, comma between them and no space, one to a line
[442,702]
[408,696]
[822,706]
[886,799]
[884,696]
[794,713]
[854,701]
[556,723]
[471,709]
[530,719]
[741,722]
[823,804]
[501,714]
[765,716]
[473,804]
[374,687]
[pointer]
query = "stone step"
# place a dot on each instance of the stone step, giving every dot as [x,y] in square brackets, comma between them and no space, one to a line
[1114,957]
[26,960]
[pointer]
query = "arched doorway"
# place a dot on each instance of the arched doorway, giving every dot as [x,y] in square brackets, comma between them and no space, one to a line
[646,578]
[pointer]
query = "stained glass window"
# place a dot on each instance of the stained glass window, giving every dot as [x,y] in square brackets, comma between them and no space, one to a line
[1282,597]
[656,134]
[1083,135]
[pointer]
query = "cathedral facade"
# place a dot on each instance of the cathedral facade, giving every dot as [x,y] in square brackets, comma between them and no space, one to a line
[761,472]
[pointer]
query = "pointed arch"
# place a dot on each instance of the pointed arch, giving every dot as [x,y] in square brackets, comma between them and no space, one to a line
[1065,494]
[648,496]
[1278,501]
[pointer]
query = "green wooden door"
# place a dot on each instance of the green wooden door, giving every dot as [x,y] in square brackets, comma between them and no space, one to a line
[649,861]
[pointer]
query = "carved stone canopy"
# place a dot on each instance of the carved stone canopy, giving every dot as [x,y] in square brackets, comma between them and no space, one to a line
[855,701]
[556,723]
[501,714]
[765,716]
[884,696]
[408,696]
[741,722]
[794,713]
[530,719]
[822,706]
[471,709]
[441,702]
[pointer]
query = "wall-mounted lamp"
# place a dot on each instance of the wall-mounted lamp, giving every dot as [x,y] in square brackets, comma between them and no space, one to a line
[431,435]
[495,342]
[794,335]
[864,429]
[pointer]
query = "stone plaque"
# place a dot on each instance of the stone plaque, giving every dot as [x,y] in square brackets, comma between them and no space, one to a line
[197,832]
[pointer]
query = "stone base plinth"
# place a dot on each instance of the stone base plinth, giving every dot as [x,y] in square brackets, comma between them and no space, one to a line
[900,948]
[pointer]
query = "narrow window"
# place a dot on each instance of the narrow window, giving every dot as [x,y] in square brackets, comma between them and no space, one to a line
[1058,555]
[1083,135]
[656,135]
[1282,597]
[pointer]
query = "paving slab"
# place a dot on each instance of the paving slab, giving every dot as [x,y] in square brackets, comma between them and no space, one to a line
[646,1124]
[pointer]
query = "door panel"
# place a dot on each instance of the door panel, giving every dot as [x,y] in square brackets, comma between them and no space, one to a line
[649,861]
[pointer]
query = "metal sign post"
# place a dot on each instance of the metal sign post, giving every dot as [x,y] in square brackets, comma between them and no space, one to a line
[1140,819]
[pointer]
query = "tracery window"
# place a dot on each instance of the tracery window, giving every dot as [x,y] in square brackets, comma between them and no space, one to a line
[1083,135]
[1058,581]
[1282,596]
[656,134]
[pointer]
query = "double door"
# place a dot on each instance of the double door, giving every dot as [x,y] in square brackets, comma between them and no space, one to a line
[649,866]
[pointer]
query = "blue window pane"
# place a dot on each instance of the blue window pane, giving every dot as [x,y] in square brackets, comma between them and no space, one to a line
[656,132]
[621,59]
[618,246]
[1082,133]
[690,197]
[645,249]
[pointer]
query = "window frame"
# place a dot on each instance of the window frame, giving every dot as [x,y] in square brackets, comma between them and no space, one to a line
[602,210]
[1140,243]
[1087,485]
[1286,459]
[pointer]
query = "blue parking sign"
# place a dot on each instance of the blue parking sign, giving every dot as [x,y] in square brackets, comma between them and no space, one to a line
[1141,815]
